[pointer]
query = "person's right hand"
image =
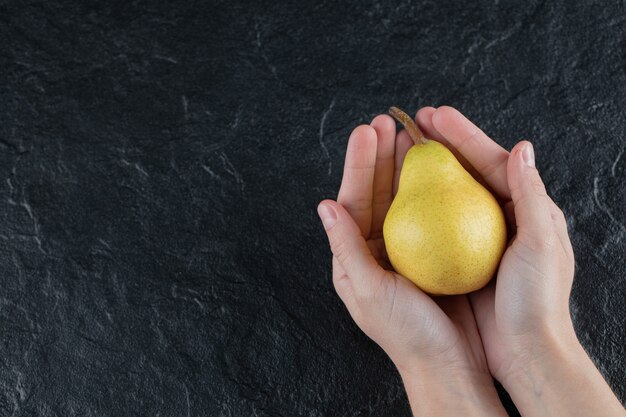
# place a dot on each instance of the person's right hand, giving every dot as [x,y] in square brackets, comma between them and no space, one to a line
[523,316]
[527,306]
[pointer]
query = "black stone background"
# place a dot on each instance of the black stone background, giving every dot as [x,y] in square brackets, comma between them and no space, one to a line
[160,165]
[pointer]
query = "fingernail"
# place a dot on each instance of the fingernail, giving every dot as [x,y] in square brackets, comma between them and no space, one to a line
[327,215]
[528,154]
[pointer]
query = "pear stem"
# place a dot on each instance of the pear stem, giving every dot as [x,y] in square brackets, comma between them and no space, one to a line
[409,124]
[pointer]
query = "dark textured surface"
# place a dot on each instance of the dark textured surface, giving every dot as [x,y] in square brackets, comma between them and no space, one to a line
[160,166]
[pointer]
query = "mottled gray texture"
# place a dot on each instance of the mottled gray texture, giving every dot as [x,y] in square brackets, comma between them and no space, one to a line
[160,167]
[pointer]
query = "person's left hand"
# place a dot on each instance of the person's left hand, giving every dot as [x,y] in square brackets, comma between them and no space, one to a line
[422,335]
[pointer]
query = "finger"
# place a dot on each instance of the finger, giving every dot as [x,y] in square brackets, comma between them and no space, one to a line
[403,144]
[385,128]
[424,119]
[342,284]
[355,193]
[487,157]
[532,210]
[349,247]
[560,227]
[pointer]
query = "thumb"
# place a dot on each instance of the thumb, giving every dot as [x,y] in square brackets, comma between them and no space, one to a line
[531,203]
[348,246]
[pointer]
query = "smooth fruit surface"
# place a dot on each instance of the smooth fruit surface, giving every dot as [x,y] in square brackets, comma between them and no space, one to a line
[444,231]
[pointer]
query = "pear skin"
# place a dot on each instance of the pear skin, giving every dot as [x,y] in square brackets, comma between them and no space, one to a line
[444,231]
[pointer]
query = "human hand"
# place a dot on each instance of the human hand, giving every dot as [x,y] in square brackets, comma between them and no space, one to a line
[434,342]
[530,296]
[523,316]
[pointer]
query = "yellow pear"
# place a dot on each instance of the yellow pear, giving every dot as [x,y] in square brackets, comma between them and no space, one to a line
[444,231]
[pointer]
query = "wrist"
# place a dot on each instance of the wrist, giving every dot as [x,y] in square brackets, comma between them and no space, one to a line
[445,392]
[560,380]
[542,349]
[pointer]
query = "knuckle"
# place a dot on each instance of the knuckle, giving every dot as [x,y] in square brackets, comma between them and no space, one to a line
[488,170]
[516,192]
[358,204]
[339,247]
[381,196]
[526,202]
[537,242]
[339,276]
[528,261]
[472,141]
[361,169]
[557,214]
[537,185]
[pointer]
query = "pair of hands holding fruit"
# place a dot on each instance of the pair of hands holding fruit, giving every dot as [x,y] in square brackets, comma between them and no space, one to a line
[448,349]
